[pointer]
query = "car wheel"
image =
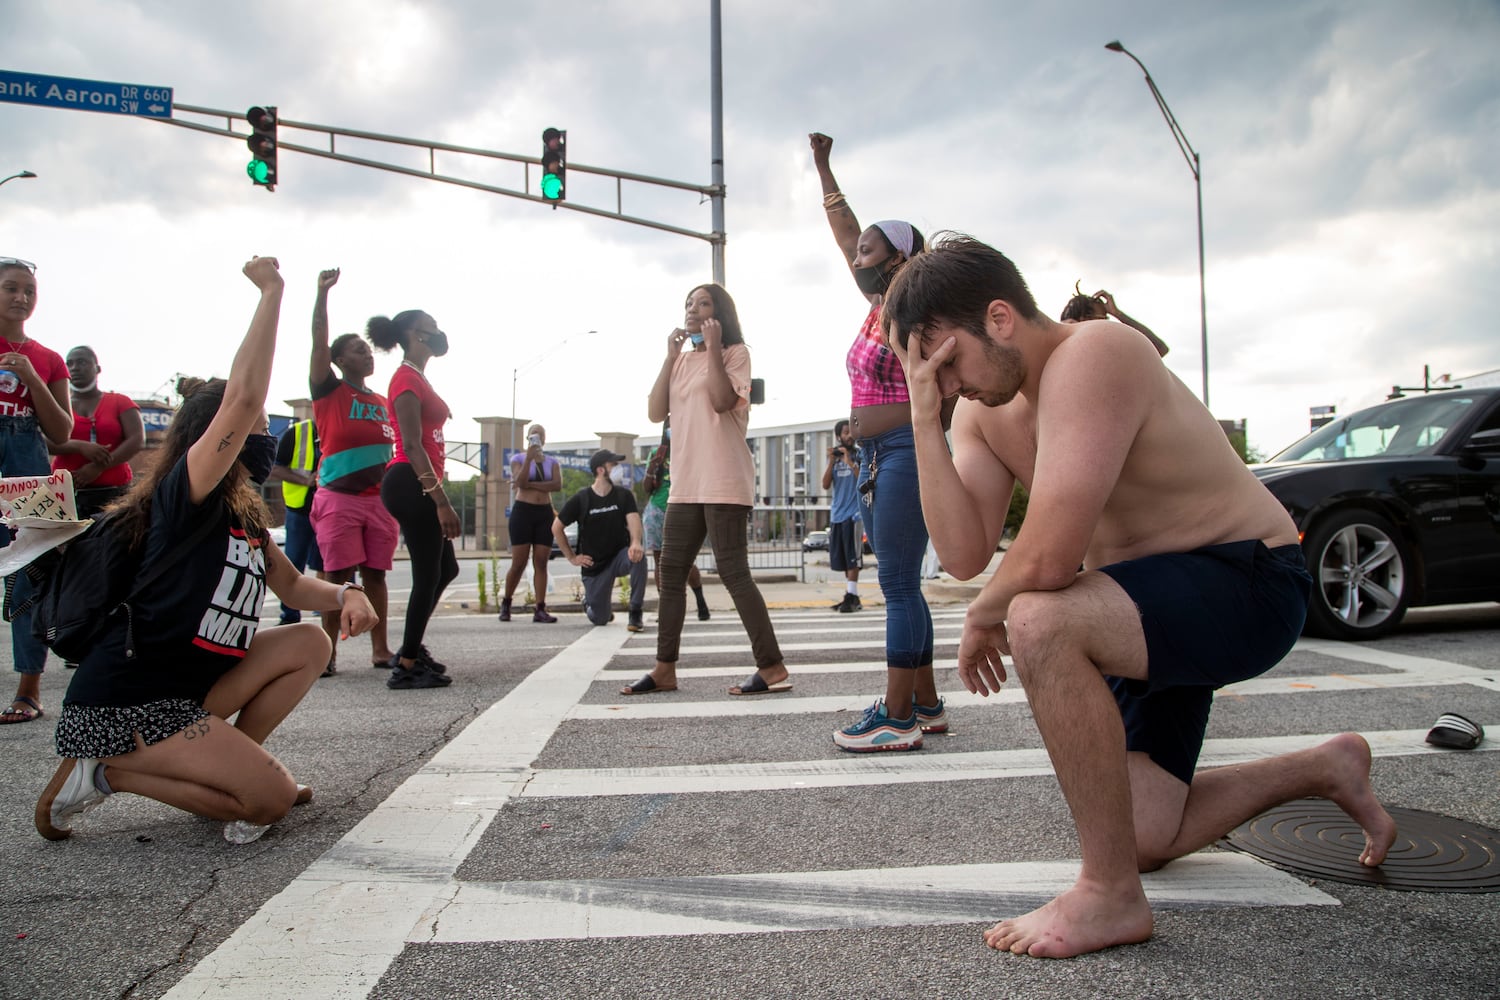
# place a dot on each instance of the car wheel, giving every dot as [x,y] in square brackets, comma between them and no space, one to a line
[1359,566]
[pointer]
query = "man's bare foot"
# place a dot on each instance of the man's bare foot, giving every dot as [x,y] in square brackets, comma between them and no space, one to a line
[1085,918]
[1349,789]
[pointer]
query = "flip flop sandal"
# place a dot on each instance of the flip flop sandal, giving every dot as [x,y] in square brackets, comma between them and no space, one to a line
[1455,732]
[756,684]
[646,685]
[12,714]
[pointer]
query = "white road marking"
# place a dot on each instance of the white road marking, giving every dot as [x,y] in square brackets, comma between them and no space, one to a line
[1408,672]
[334,931]
[831,900]
[906,768]
[742,647]
[390,881]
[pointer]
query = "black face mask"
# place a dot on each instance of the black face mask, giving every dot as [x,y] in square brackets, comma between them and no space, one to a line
[258,456]
[437,343]
[872,281]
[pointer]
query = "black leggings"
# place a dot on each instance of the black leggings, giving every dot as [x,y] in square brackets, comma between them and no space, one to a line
[433,564]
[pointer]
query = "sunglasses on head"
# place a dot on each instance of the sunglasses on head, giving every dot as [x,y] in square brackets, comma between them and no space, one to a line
[18,262]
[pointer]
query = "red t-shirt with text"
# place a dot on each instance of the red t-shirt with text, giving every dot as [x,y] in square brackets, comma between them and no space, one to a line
[435,413]
[15,398]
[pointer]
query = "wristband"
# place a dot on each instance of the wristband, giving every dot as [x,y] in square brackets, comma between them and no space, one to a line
[348,587]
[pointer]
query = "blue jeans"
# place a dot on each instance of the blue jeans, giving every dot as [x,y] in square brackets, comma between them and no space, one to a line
[23,453]
[899,537]
[301,552]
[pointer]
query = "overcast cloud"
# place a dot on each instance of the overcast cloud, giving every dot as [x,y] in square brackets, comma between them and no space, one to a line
[1349,184]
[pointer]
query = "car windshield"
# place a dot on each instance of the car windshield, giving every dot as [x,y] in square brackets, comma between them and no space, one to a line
[1407,427]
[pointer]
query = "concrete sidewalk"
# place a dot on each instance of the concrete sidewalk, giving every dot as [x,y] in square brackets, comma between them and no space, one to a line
[821,588]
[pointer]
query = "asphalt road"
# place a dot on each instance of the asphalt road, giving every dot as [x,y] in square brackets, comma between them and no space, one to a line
[528,832]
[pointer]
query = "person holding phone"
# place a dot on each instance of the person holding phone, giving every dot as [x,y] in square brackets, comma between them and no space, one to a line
[704,384]
[534,477]
[845,544]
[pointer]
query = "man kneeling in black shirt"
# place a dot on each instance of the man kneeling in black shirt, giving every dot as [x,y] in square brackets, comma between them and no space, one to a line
[609,541]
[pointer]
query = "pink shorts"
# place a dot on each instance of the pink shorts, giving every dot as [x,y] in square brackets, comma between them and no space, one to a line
[353,531]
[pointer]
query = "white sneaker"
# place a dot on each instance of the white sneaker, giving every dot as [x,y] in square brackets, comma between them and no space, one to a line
[69,794]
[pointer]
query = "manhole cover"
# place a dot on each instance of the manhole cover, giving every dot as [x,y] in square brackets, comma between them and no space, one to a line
[1432,852]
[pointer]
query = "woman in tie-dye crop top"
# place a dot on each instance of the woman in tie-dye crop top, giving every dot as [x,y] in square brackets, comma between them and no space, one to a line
[880,414]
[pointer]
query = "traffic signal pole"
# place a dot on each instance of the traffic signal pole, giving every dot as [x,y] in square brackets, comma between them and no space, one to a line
[716,139]
[333,132]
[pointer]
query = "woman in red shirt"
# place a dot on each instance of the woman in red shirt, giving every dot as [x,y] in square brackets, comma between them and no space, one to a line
[33,412]
[107,433]
[412,489]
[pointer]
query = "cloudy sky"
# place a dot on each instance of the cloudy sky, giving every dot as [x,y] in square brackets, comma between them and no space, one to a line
[1349,157]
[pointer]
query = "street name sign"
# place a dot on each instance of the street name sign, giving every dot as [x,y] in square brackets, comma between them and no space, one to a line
[86,95]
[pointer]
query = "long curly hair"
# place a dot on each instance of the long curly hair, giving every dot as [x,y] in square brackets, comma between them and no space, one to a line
[200,403]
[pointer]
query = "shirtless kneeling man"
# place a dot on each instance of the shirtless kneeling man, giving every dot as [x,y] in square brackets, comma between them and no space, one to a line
[1193,579]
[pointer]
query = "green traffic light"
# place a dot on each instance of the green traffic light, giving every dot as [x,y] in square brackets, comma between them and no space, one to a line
[259,171]
[551,186]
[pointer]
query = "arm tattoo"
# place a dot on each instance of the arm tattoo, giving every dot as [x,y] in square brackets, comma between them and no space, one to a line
[225,442]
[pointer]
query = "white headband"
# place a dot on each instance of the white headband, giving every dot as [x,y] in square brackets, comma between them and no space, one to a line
[899,233]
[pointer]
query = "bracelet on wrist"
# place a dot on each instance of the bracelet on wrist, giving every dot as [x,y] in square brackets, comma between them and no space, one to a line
[346,588]
[833,198]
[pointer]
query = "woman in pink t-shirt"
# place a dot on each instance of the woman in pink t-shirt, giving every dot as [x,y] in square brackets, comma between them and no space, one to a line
[413,487]
[705,388]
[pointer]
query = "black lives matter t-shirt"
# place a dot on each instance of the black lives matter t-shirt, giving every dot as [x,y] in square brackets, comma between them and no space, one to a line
[602,531]
[191,625]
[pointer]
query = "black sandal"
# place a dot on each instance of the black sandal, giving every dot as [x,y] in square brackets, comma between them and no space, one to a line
[1455,732]
[646,685]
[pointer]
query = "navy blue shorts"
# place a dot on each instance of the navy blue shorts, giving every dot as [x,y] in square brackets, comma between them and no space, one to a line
[845,545]
[1211,617]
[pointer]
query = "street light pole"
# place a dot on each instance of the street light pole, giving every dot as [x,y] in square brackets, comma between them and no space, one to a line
[515,375]
[1196,166]
[22,174]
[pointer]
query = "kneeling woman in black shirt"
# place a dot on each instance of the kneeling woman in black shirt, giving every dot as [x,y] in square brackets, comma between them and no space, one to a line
[153,723]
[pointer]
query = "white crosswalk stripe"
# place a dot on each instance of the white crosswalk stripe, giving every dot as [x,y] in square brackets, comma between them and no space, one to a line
[391,881]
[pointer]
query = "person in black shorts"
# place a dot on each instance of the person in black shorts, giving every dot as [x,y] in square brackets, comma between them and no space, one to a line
[152,719]
[534,477]
[1192,579]
[846,553]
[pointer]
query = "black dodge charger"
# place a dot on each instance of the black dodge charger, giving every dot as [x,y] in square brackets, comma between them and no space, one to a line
[1398,506]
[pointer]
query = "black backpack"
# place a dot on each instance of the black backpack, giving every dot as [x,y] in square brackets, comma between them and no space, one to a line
[79,586]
